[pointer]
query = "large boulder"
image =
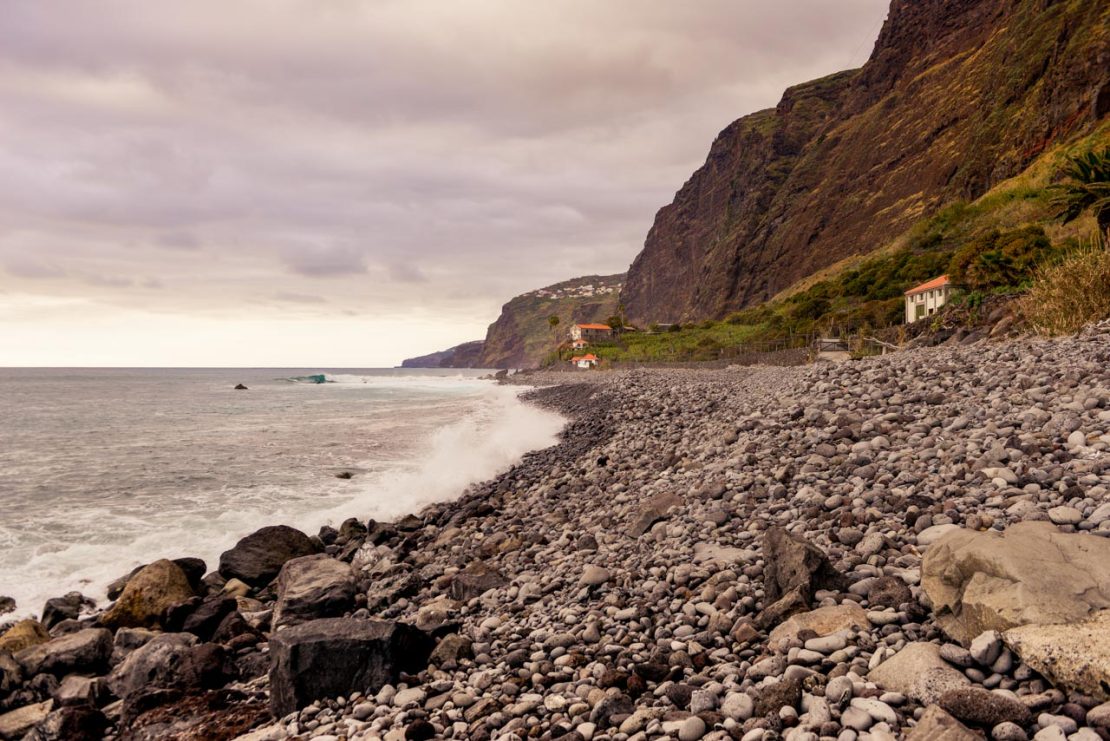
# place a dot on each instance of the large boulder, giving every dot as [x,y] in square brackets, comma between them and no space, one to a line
[338,656]
[793,571]
[24,634]
[474,581]
[918,672]
[1031,573]
[83,651]
[312,587]
[148,595]
[1075,655]
[257,558]
[73,723]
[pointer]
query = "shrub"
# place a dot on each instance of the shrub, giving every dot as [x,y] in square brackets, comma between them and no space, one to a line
[998,259]
[1071,293]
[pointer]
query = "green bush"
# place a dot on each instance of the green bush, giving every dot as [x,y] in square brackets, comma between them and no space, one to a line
[1000,259]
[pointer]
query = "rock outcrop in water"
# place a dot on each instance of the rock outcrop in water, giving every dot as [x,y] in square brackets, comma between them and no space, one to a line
[957,96]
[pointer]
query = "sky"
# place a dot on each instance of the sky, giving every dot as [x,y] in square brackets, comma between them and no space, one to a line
[346,183]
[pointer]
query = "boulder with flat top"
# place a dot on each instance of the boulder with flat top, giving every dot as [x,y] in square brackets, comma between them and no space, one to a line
[338,656]
[312,587]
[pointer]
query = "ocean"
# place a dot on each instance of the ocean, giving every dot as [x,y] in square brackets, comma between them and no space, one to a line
[104,469]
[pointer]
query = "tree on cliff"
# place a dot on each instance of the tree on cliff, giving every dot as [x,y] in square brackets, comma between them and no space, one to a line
[1088,188]
[553,322]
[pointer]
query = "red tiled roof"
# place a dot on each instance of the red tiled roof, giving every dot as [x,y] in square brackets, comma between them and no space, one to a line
[591,356]
[595,326]
[929,285]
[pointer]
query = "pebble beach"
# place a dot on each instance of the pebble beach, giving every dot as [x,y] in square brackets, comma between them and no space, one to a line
[909,546]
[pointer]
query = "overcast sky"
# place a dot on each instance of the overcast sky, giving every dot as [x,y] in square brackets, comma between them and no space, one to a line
[349,182]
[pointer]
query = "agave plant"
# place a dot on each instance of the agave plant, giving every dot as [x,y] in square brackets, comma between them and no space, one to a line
[1088,187]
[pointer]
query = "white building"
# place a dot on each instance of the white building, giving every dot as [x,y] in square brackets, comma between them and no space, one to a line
[585,361]
[927,299]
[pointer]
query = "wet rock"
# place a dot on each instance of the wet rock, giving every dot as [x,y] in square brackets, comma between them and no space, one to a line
[7,604]
[67,607]
[1031,573]
[86,650]
[313,587]
[337,656]
[205,620]
[148,595]
[257,558]
[1075,655]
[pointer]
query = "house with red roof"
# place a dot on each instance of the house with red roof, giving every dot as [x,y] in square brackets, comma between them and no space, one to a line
[927,299]
[584,361]
[591,332]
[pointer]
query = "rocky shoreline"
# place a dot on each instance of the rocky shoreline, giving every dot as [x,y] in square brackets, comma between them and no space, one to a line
[912,546]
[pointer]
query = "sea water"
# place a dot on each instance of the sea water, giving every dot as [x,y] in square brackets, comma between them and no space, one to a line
[103,470]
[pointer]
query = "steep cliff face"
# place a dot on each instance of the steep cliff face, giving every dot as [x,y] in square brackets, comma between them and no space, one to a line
[522,337]
[957,95]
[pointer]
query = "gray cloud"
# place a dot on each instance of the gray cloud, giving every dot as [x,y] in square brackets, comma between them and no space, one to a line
[424,154]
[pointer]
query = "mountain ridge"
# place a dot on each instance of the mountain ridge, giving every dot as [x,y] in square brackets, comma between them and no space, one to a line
[957,96]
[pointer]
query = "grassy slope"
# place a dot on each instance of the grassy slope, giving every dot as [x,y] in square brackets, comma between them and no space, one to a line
[866,291]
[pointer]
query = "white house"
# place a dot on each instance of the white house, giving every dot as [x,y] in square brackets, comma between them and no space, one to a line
[584,361]
[927,299]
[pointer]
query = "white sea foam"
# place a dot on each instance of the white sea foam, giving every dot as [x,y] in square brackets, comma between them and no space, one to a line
[492,430]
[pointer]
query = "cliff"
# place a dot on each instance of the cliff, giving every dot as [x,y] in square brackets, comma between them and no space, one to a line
[957,96]
[522,336]
[465,355]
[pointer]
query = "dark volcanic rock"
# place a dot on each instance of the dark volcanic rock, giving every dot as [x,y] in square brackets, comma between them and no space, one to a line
[87,650]
[475,580]
[68,607]
[980,707]
[313,587]
[337,656]
[793,564]
[257,558]
[74,723]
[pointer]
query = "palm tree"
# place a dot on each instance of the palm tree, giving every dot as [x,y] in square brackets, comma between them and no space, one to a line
[1089,188]
[553,322]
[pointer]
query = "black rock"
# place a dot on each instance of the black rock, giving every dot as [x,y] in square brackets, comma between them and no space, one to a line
[68,607]
[240,387]
[420,730]
[206,618]
[338,656]
[345,475]
[257,558]
[7,604]
[74,723]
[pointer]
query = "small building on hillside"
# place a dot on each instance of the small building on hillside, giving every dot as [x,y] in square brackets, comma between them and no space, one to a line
[579,344]
[584,361]
[591,332]
[927,299]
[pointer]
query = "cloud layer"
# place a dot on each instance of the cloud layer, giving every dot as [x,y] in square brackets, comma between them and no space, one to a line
[388,171]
